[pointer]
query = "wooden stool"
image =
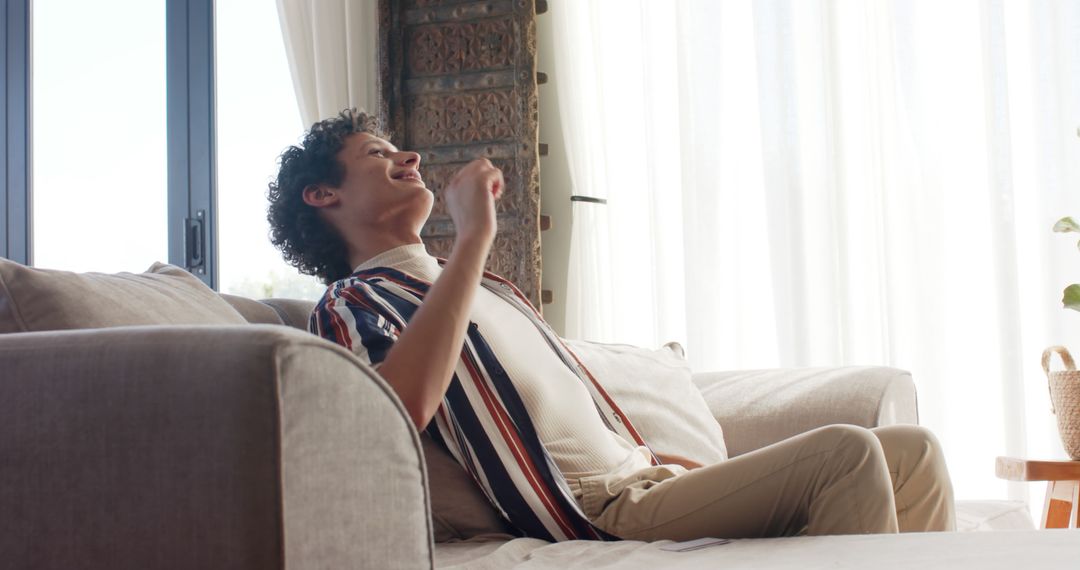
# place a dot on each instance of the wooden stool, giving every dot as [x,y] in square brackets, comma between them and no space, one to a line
[1062,489]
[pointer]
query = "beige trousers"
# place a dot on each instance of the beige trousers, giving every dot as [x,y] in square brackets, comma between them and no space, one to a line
[837,479]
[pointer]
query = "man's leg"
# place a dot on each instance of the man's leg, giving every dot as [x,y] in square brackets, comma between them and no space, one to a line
[924,493]
[832,480]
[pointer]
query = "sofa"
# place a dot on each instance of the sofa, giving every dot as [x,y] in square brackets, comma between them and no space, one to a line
[149,422]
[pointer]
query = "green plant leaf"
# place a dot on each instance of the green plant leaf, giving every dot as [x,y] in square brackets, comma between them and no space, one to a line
[1067,224]
[1071,300]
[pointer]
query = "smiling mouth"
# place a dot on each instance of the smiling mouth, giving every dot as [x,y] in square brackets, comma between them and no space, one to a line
[408,175]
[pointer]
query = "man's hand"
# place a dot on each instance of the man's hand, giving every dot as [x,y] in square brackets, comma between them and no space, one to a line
[470,200]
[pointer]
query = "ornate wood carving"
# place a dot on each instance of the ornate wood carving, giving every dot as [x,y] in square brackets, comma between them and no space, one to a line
[458,83]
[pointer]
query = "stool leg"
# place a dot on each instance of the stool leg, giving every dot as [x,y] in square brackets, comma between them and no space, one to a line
[1060,503]
[1074,514]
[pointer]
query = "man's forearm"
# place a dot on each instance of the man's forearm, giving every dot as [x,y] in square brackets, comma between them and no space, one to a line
[421,363]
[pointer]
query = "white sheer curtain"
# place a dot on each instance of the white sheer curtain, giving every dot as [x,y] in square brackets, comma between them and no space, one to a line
[332,50]
[804,183]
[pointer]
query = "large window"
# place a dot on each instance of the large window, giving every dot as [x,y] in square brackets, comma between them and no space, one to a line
[257,117]
[99,150]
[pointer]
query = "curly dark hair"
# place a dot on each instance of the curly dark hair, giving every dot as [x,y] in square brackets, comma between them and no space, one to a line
[306,241]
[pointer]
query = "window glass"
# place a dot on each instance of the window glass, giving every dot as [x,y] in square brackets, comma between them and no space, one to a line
[99,148]
[257,118]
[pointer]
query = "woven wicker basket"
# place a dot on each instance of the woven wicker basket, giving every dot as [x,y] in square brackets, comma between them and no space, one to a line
[1065,398]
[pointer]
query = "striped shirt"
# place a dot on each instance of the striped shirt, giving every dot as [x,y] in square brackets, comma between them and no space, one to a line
[484,420]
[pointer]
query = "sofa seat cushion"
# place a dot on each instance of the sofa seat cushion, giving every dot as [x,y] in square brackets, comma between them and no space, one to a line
[33,299]
[1005,550]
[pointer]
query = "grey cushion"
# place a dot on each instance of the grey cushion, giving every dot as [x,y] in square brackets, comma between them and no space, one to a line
[34,299]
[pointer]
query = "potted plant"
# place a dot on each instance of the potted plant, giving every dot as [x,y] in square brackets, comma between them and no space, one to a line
[1071,298]
[1065,384]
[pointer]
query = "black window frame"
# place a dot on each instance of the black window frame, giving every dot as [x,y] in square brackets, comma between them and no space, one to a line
[191,134]
[15,145]
[190,118]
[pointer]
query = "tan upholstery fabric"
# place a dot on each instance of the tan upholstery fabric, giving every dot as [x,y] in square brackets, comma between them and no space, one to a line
[34,299]
[293,312]
[759,407]
[459,509]
[140,447]
[354,486]
[254,312]
[247,446]
[655,389]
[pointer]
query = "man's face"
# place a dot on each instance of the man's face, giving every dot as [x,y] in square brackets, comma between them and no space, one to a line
[381,183]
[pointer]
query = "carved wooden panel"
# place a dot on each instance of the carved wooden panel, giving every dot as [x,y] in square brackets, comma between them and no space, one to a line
[459,82]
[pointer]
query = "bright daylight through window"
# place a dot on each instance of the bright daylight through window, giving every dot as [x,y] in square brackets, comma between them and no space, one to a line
[257,117]
[99,170]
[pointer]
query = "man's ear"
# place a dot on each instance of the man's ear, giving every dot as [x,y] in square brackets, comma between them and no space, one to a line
[319,196]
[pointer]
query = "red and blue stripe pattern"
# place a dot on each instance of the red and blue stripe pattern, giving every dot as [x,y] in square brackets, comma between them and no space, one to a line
[482,421]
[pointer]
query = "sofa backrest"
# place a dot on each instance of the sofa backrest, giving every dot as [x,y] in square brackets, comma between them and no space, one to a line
[292,312]
[35,299]
[289,312]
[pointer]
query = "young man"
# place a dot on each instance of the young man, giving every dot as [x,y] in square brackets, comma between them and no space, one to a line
[477,368]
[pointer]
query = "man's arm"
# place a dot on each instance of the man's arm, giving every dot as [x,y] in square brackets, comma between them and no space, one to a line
[421,363]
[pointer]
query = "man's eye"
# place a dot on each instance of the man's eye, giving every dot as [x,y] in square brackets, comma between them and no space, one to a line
[377,151]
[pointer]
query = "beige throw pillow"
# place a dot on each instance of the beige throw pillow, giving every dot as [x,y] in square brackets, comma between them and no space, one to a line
[656,390]
[33,299]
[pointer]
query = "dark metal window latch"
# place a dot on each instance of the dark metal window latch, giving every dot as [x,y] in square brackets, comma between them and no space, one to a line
[195,243]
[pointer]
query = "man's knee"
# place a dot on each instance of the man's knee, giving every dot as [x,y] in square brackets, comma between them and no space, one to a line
[906,439]
[851,436]
[855,446]
[856,485]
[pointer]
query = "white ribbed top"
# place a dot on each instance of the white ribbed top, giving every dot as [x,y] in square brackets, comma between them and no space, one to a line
[561,408]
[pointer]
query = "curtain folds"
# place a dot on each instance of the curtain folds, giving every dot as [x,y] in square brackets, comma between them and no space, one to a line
[333,57]
[821,183]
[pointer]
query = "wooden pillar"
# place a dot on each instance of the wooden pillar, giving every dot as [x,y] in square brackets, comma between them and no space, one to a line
[459,82]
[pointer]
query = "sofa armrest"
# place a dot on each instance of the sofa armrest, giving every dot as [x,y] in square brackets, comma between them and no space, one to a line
[760,407]
[252,446]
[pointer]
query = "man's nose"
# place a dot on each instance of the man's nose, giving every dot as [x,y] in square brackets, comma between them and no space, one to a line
[409,159]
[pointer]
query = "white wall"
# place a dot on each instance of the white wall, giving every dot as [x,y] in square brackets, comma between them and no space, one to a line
[554,182]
